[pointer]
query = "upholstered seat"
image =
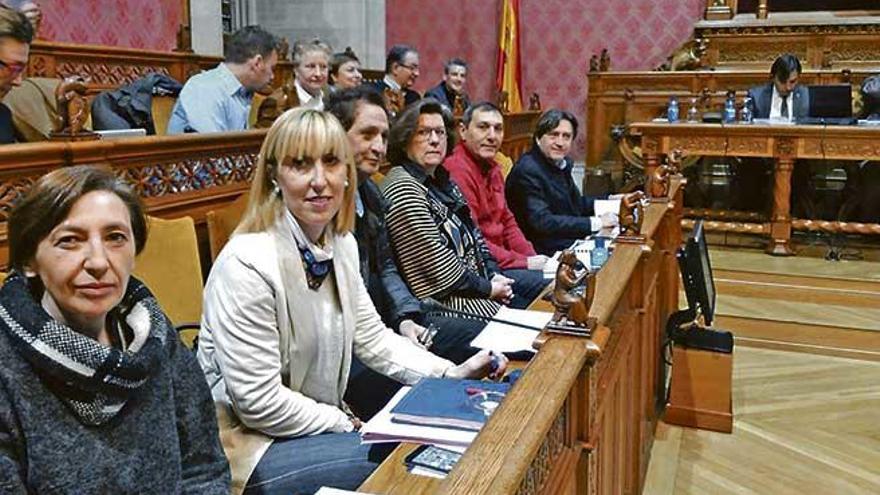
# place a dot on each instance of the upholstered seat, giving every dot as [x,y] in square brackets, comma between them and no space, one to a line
[222,222]
[169,265]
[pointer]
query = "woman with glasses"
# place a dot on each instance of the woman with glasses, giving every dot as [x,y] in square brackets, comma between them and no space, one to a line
[439,250]
[285,313]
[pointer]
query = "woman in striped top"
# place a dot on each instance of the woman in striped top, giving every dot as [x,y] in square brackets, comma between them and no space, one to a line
[439,249]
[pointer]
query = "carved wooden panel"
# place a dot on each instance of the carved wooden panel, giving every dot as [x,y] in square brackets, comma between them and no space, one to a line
[190,174]
[108,74]
[542,465]
[13,189]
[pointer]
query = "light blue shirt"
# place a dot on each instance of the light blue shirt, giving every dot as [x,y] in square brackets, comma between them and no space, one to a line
[213,101]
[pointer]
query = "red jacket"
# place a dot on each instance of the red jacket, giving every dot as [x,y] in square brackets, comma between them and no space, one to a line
[483,187]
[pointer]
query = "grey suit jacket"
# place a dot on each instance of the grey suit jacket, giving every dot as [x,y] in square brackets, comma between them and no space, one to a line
[762,98]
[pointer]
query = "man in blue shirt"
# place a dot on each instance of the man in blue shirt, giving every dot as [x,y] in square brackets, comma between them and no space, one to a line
[220,99]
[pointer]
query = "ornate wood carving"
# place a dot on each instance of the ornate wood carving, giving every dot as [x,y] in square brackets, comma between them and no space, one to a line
[540,468]
[107,74]
[759,51]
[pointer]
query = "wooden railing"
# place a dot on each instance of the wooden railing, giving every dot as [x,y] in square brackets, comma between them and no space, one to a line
[180,175]
[175,175]
[581,418]
[518,130]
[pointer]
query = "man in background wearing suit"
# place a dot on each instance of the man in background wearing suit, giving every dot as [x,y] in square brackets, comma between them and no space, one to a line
[452,85]
[780,99]
[401,72]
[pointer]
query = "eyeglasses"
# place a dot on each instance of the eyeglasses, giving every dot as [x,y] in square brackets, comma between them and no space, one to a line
[413,67]
[425,133]
[12,69]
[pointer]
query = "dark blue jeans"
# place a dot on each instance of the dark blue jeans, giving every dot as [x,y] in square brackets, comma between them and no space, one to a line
[305,464]
[527,285]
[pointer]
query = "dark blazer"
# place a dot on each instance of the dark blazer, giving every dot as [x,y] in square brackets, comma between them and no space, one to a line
[390,294]
[546,202]
[444,96]
[409,95]
[762,98]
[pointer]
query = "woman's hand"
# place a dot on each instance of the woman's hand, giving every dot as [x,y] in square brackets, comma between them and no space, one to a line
[502,289]
[482,364]
[415,333]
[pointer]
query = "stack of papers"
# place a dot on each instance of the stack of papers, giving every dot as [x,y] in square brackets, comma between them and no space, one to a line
[501,337]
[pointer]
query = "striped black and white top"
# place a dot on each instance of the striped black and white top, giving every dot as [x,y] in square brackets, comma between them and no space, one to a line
[439,250]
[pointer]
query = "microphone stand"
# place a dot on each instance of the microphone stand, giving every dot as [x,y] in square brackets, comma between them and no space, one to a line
[434,306]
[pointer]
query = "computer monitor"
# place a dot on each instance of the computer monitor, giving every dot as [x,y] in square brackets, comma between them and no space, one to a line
[831,101]
[696,274]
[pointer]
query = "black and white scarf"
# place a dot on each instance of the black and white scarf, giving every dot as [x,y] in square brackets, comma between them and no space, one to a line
[94,380]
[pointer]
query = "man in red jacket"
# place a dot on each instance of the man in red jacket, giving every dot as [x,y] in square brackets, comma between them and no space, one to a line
[473,167]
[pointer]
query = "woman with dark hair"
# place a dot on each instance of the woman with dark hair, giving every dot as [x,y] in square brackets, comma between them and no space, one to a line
[97,395]
[285,313]
[439,250]
[345,71]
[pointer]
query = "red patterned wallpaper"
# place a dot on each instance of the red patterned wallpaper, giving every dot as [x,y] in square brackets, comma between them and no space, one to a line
[146,24]
[559,36]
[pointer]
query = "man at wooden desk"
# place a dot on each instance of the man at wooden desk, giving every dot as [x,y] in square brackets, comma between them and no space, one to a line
[780,99]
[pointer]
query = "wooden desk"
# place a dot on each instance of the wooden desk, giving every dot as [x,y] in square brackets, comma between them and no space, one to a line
[785,144]
[581,418]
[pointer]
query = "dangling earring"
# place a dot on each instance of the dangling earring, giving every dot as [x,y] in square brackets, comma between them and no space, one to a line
[346,183]
[275,188]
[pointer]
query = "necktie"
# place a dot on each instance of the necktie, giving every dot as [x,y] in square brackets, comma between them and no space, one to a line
[784,110]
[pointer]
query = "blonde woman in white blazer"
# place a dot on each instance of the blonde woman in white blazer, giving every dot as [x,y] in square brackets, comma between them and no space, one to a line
[284,311]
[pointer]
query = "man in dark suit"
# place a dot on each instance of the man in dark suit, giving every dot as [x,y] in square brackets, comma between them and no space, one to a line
[401,72]
[780,99]
[452,85]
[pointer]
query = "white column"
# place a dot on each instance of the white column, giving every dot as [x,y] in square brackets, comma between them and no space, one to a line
[207,30]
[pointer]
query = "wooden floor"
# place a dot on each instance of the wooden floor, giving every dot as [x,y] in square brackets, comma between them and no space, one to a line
[804,424]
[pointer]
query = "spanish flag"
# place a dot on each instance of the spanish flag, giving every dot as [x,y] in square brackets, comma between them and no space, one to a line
[508,74]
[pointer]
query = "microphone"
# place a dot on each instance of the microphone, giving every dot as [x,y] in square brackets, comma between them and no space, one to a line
[431,305]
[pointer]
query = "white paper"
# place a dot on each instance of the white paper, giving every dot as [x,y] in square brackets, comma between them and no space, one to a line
[602,206]
[508,338]
[581,248]
[380,429]
[326,490]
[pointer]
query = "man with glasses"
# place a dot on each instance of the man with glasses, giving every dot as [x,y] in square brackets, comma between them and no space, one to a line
[16,34]
[541,193]
[401,72]
[220,99]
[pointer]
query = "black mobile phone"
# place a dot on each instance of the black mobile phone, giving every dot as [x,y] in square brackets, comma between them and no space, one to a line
[433,457]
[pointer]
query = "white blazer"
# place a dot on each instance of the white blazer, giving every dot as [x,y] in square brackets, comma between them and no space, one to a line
[256,343]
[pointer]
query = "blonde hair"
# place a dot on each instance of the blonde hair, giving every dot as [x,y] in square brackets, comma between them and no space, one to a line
[298,133]
[301,48]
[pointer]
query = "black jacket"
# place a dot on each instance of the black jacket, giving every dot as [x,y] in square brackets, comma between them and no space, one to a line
[762,99]
[130,107]
[547,204]
[442,94]
[390,294]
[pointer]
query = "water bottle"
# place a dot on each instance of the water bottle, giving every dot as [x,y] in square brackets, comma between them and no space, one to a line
[672,110]
[747,116]
[599,253]
[693,113]
[729,111]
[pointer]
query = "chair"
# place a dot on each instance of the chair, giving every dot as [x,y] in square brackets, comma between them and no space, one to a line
[505,162]
[169,265]
[222,222]
[161,107]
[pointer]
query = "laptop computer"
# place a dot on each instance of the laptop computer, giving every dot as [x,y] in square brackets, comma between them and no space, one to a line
[830,105]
